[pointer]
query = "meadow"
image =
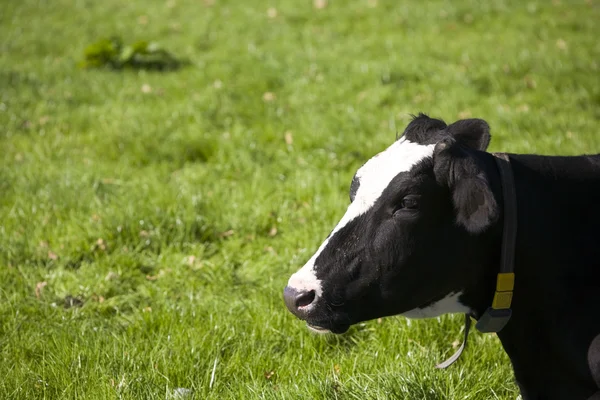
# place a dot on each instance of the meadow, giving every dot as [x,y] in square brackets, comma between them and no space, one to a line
[149,220]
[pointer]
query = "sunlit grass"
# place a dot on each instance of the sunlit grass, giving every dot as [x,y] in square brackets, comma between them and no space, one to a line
[149,221]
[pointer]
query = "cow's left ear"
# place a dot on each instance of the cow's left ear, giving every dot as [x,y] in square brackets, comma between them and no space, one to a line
[473,200]
[473,133]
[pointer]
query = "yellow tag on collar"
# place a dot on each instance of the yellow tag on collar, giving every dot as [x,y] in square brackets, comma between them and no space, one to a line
[504,290]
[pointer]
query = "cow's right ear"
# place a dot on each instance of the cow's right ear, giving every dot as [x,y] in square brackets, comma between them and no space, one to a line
[473,200]
[472,132]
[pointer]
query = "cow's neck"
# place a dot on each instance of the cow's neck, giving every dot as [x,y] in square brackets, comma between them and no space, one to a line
[546,236]
[545,244]
[485,252]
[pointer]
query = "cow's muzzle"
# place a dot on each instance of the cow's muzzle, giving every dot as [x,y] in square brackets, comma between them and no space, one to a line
[302,303]
[298,302]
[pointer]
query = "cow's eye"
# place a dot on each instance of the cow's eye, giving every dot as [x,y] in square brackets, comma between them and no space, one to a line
[410,202]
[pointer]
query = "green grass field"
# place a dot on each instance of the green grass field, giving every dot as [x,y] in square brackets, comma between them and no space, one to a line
[150,220]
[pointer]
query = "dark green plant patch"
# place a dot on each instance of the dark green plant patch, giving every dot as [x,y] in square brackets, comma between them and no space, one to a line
[113,54]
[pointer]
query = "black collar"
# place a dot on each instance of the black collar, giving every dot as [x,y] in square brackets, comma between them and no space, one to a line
[498,315]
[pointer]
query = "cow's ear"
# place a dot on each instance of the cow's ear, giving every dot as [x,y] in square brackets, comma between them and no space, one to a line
[473,133]
[473,200]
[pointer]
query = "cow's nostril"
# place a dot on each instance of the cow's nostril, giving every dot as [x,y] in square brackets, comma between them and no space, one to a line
[296,301]
[305,298]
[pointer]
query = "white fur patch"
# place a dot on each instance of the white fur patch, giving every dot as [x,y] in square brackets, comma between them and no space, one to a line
[305,279]
[378,172]
[320,331]
[374,178]
[447,305]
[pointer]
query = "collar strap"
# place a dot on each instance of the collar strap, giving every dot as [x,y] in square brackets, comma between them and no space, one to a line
[498,315]
[456,355]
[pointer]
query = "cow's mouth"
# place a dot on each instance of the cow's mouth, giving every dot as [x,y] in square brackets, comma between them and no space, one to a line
[317,329]
[338,329]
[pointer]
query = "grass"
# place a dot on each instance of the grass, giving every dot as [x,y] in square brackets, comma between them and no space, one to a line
[149,221]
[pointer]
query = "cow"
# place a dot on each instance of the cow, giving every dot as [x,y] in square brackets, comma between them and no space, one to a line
[423,236]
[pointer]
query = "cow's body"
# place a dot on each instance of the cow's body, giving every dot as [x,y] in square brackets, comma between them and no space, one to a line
[422,237]
[556,303]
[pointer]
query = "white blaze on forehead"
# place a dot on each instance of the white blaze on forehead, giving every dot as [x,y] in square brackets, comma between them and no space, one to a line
[373,177]
[379,171]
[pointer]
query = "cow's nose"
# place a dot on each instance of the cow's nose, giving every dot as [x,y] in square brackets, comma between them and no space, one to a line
[296,301]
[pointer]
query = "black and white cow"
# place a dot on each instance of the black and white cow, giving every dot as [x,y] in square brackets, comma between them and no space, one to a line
[422,237]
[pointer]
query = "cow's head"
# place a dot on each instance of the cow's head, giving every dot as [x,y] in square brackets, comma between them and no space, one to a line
[406,240]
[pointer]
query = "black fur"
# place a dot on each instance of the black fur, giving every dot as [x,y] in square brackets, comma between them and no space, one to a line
[354,187]
[391,260]
[473,133]
[472,197]
[424,130]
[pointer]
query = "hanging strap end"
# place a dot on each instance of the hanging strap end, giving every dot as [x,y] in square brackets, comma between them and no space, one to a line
[456,355]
